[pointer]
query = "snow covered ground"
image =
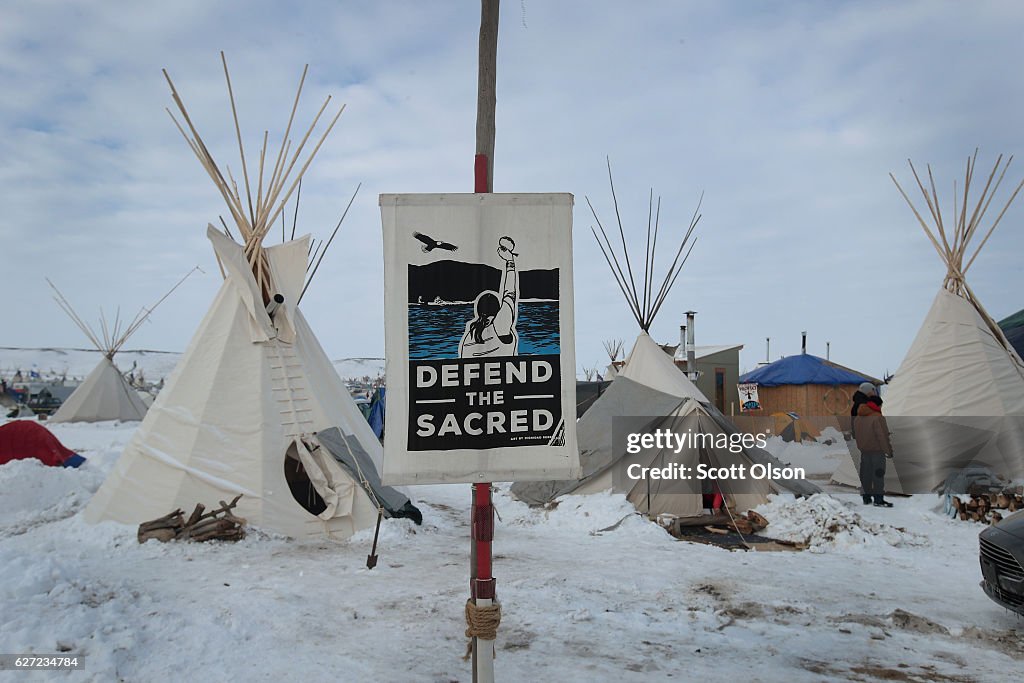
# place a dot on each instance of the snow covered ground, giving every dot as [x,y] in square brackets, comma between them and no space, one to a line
[879,595]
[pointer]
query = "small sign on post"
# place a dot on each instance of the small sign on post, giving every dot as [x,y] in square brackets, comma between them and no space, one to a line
[748,397]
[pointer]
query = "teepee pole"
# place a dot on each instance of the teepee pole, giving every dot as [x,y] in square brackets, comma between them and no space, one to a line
[965,229]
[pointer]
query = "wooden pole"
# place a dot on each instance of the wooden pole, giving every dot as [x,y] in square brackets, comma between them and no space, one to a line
[482,584]
[486,95]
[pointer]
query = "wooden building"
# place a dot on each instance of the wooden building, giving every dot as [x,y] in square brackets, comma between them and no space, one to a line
[807,385]
[718,370]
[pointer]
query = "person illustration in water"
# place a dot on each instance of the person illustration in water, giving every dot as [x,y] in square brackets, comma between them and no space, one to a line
[492,331]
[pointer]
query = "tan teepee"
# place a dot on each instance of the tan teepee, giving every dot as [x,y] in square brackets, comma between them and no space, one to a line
[960,362]
[958,396]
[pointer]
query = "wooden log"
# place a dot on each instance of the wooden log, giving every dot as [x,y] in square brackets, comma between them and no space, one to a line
[206,527]
[163,535]
[996,518]
[224,507]
[741,525]
[240,521]
[1002,501]
[716,530]
[756,520]
[964,516]
[196,514]
[230,534]
[170,519]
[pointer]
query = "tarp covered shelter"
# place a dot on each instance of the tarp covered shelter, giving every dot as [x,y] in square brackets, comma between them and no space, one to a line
[807,385]
[792,427]
[378,407]
[587,393]
[1013,328]
[24,439]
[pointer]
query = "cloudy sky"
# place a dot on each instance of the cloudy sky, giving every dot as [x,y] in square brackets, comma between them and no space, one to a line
[787,116]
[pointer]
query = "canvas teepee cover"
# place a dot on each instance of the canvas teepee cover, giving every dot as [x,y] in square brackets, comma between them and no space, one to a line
[240,414]
[242,411]
[957,399]
[104,395]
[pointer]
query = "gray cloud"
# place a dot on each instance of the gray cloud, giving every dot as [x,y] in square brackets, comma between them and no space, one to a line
[788,117]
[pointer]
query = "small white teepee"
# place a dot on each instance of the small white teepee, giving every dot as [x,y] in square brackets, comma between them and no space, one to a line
[105,394]
[254,406]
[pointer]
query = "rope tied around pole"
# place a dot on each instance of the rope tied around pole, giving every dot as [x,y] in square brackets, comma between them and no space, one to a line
[481,622]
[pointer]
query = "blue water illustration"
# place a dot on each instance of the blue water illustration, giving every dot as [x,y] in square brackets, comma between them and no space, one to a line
[435,331]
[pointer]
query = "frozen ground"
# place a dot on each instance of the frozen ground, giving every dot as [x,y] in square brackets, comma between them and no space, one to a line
[880,595]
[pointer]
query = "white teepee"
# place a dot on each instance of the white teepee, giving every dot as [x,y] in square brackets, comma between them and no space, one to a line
[105,394]
[957,398]
[248,406]
[960,363]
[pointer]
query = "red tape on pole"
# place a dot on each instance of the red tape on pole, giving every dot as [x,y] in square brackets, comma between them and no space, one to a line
[480,173]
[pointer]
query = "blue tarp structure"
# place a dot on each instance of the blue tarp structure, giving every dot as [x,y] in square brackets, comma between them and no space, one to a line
[1013,328]
[803,369]
[376,416]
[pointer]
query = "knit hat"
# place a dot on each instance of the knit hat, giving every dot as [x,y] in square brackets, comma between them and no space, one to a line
[868,389]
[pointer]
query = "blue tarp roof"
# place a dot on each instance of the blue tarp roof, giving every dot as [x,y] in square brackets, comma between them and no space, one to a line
[803,369]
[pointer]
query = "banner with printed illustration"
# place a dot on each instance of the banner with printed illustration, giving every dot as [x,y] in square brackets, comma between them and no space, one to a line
[748,397]
[479,338]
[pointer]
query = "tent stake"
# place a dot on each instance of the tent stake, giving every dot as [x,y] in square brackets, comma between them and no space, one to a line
[371,559]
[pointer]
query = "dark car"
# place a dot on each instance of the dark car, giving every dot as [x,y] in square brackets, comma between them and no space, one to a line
[1002,562]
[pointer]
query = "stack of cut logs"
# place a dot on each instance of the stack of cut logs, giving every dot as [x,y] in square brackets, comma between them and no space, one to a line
[989,508]
[218,525]
[745,525]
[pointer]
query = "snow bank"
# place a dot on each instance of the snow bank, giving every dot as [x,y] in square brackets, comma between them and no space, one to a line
[825,523]
[35,494]
[819,457]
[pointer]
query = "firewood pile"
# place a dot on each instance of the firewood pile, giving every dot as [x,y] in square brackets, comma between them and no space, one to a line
[217,525]
[989,507]
[749,524]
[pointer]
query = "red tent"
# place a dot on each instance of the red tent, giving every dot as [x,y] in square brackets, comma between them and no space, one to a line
[23,439]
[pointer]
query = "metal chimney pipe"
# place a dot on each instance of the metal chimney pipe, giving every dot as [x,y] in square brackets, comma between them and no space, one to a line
[767,349]
[803,344]
[691,351]
[274,304]
[828,350]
